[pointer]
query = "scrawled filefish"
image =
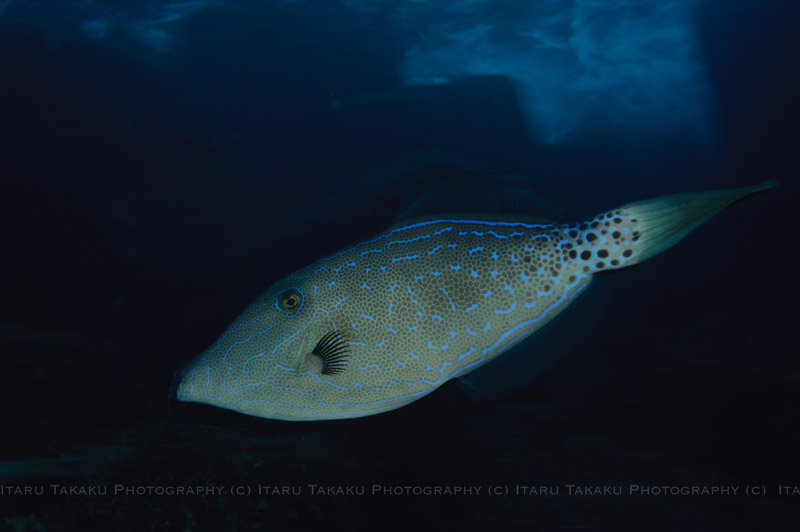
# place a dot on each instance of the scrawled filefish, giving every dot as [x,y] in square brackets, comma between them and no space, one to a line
[387,321]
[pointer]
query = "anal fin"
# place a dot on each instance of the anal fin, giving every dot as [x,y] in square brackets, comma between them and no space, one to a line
[541,350]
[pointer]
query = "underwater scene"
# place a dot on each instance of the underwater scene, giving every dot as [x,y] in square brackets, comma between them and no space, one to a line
[394,264]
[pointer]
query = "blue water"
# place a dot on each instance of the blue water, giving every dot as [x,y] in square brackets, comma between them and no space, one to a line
[164,162]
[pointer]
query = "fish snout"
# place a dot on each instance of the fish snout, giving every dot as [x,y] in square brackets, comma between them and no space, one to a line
[177,379]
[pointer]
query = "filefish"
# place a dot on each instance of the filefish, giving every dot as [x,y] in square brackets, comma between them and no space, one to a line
[387,321]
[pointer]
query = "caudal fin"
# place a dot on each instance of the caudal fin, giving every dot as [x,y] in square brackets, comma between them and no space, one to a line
[639,230]
[664,221]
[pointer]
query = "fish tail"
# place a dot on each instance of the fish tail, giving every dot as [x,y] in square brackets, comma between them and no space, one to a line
[637,231]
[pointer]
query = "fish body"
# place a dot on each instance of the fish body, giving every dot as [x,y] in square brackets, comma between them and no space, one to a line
[385,322]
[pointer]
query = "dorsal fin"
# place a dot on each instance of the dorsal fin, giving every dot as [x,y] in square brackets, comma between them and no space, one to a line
[488,198]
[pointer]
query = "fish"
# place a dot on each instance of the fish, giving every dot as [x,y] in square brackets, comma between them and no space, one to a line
[385,322]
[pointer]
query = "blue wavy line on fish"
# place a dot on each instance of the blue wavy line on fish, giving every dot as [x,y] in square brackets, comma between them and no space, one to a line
[387,321]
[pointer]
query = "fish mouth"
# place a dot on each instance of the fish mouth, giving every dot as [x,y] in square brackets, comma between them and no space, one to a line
[177,379]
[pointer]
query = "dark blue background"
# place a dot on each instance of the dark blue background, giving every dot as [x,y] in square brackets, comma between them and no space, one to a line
[143,206]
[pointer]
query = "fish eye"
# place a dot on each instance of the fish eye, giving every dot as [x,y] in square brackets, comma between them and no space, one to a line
[290,300]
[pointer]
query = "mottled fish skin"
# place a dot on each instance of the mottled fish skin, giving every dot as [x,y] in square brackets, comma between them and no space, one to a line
[423,303]
[419,304]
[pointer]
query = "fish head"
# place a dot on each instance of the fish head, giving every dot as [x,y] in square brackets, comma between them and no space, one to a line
[279,359]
